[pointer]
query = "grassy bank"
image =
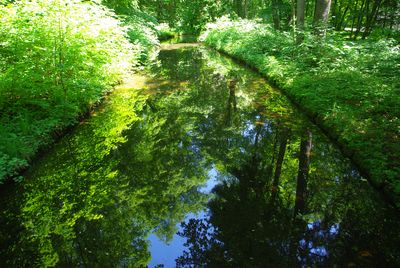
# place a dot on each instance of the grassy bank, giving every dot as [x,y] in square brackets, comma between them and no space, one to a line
[55,64]
[350,88]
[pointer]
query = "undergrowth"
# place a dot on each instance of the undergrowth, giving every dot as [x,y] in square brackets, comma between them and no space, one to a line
[350,88]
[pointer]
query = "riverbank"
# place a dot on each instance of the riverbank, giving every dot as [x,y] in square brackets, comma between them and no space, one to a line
[56,65]
[350,89]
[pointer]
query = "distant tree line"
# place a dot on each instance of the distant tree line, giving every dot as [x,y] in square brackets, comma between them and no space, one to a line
[357,17]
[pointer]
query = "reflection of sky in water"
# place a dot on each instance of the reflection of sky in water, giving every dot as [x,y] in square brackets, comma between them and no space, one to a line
[320,234]
[211,183]
[248,129]
[162,253]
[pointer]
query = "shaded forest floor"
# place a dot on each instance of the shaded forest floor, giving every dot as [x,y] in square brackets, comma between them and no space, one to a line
[350,88]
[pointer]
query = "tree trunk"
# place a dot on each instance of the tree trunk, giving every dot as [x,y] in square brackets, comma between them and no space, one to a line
[385,19]
[321,15]
[360,18]
[245,8]
[339,26]
[336,9]
[371,18]
[275,14]
[354,18]
[239,8]
[300,20]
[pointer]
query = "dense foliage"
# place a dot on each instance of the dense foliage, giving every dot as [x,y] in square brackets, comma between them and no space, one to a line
[57,59]
[357,19]
[350,88]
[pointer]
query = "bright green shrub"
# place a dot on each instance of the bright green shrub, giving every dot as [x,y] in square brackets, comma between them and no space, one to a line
[57,58]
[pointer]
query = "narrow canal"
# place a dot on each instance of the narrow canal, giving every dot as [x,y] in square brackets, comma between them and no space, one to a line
[197,162]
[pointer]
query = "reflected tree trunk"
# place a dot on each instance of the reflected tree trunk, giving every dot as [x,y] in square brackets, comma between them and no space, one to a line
[279,162]
[231,105]
[299,225]
[304,163]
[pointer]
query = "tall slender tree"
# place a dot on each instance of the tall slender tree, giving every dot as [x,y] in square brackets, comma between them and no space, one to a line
[321,15]
[371,17]
[275,14]
[300,12]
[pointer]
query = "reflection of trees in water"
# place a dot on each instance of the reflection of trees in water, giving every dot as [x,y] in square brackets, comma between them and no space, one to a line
[96,197]
[288,200]
[93,201]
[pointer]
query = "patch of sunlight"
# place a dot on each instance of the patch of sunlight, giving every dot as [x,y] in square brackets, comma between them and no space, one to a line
[246,99]
[184,83]
[178,46]
[135,81]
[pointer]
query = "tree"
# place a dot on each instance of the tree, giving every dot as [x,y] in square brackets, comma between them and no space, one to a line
[321,15]
[300,13]
[276,5]
[371,17]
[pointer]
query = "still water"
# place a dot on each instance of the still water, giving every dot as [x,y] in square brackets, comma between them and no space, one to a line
[196,162]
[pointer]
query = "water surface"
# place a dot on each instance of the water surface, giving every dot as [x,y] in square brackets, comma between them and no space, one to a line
[201,140]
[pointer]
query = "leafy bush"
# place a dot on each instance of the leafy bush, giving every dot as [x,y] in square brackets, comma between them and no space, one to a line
[193,15]
[350,88]
[57,58]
